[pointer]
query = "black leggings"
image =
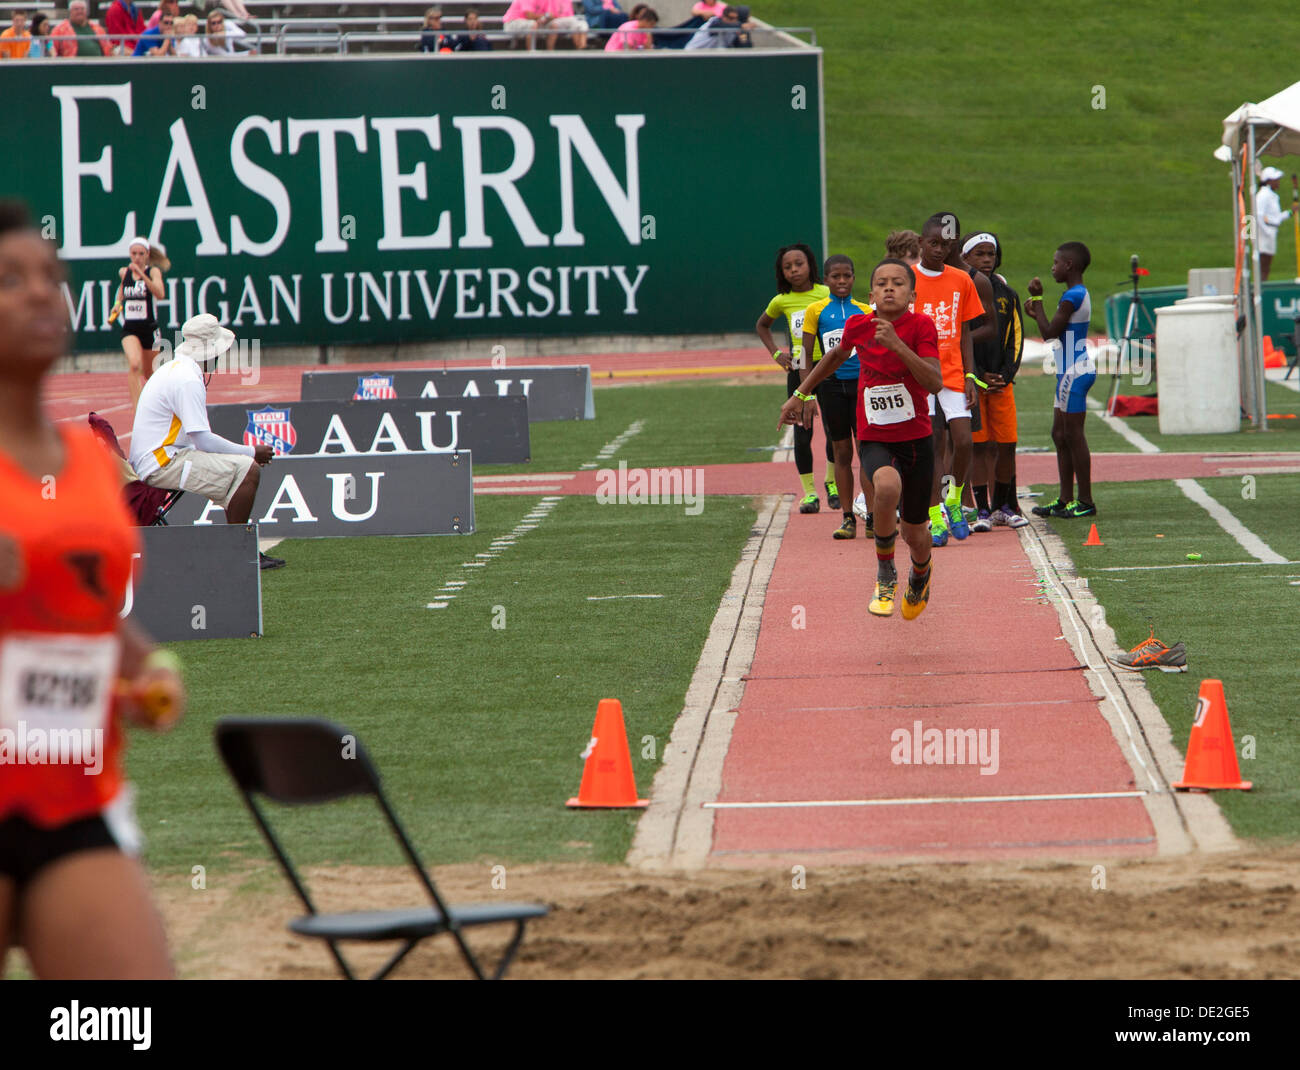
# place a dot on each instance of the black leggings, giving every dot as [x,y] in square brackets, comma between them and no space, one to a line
[803,458]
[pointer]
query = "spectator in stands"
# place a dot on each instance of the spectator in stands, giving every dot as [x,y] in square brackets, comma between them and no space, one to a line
[125,23]
[41,49]
[700,14]
[525,16]
[432,39]
[634,34]
[603,14]
[563,21]
[728,30]
[78,36]
[473,39]
[237,8]
[188,42]
[16,42]
[220,38]
[165,7]
[160,41]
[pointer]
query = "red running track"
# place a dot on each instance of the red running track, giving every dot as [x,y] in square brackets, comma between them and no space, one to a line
[822,703]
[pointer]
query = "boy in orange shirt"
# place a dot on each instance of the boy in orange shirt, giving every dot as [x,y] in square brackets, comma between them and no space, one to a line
[948,296]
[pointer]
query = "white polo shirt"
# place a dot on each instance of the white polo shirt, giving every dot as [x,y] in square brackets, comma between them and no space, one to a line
[173,405]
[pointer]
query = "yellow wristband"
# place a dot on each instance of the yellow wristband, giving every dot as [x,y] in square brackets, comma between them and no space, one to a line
[802,397]
[162,659]
[777,354]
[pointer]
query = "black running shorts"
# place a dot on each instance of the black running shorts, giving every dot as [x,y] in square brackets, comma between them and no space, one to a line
[25,849]
[145,332]
[838,399]
[914,460]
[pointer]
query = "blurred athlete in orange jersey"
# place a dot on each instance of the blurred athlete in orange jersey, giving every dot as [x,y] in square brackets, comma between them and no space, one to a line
[70,892]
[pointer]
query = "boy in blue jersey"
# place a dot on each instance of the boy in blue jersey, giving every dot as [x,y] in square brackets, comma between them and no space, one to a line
[1075,375]
[823,322]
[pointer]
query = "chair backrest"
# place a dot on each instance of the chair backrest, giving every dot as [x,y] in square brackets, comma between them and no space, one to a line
[295,760]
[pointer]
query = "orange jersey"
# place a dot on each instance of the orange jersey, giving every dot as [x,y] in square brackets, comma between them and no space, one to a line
[60,741]
[950,299]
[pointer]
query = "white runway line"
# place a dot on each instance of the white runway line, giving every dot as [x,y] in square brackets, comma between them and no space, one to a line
[1195,564]
[928,801]
[1248,540]
[613,597]
[521,479]
[1122,429]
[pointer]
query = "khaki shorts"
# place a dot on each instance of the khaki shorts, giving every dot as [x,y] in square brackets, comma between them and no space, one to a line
[216,476]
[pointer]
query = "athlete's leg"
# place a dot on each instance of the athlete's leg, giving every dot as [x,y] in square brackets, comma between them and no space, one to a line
[90,915]
[135,376]
[240,507]
[959,428]
[146,365]
[888,487]
[844,471]
[1064,462]
[1080,455]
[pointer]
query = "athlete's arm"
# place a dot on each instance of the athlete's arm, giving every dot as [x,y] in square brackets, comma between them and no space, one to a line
[159,683]
[155,283]
[987,329]
[795,411]
[1059,322]
[925,370]
[763,328]
[968,366]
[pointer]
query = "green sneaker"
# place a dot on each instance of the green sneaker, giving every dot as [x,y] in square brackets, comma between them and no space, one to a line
[810,504]
[832,495]
[1077,509]
[1055,507]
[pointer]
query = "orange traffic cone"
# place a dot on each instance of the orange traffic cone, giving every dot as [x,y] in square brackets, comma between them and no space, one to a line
[1273,358]
[1093,538]
[607,780]
[1211,752]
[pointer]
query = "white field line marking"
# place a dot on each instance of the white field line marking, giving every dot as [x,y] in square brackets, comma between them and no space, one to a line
[1121,428]
[1262,470]
[612,597]
[1275,375]
[522,478]
[1048,573]
[928,801]
[518,490]
[1195,564]
[437,605]
[786,452]
[1289,455]
[614,445]
[1248,540]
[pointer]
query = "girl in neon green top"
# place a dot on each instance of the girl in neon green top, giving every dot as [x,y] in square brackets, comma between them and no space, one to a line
[798,287]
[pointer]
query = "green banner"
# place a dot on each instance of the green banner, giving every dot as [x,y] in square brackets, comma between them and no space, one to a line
[1281,309]
[346,201]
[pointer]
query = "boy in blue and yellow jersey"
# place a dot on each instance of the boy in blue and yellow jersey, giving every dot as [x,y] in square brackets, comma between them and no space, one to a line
[823,322]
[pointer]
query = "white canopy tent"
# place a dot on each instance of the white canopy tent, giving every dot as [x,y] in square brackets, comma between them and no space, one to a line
[1272,127]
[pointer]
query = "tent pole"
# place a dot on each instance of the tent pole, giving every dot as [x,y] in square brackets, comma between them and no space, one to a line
[1258,417]
[1245,384]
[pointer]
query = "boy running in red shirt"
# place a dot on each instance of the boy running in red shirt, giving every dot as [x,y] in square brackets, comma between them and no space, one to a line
[898,367]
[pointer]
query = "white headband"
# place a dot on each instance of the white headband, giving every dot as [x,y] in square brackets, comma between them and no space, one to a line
[138,241]
[979,239]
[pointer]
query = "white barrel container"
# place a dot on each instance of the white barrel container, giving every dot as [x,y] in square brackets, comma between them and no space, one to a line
[1196,369]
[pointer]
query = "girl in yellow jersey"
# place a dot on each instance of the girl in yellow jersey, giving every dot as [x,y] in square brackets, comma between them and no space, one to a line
[798,287]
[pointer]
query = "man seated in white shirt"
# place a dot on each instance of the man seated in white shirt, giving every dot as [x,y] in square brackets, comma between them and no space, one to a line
[172,443]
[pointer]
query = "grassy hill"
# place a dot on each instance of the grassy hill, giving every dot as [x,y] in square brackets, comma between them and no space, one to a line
[987,110]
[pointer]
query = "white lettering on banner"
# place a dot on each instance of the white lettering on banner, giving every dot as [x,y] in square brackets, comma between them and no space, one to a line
[384,301]
[502,183]
[426,431]
[625,203]
[294,500]
[541,290]
[75,168]
[339,483]
[223,309]
[393,180]
[263,183]
[573,138]
[337,435]
[198,211]
[387,434]
[326,130]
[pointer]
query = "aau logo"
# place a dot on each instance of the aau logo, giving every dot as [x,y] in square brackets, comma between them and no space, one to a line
[272,427]
[374,388]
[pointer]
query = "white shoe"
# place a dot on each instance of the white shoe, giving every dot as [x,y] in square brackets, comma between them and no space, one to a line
[860,505]
[1015,520]
[999,519]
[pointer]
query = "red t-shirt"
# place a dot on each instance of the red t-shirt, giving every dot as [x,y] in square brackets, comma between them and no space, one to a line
[892,405]
[59,649]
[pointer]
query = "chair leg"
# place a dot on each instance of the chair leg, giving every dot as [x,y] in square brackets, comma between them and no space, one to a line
[391,964]
[508,956]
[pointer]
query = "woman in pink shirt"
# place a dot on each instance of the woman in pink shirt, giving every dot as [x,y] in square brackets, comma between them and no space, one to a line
[634,34]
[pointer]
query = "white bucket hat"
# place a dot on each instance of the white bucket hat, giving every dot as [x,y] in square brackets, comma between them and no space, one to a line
[205,339]
[1270,173]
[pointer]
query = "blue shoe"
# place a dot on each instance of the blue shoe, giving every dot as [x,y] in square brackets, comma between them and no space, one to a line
[938,536]
[957,522]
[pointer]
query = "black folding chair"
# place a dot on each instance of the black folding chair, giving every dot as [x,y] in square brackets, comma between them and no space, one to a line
[173,496]
[305,761]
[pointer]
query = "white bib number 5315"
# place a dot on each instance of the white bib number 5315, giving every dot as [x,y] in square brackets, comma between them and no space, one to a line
[888,404]
[57,682]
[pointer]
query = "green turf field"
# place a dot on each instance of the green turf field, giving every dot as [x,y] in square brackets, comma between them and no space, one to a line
[1238,622]
[988,111]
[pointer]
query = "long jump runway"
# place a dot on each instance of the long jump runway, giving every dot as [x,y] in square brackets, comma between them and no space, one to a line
[824,762]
